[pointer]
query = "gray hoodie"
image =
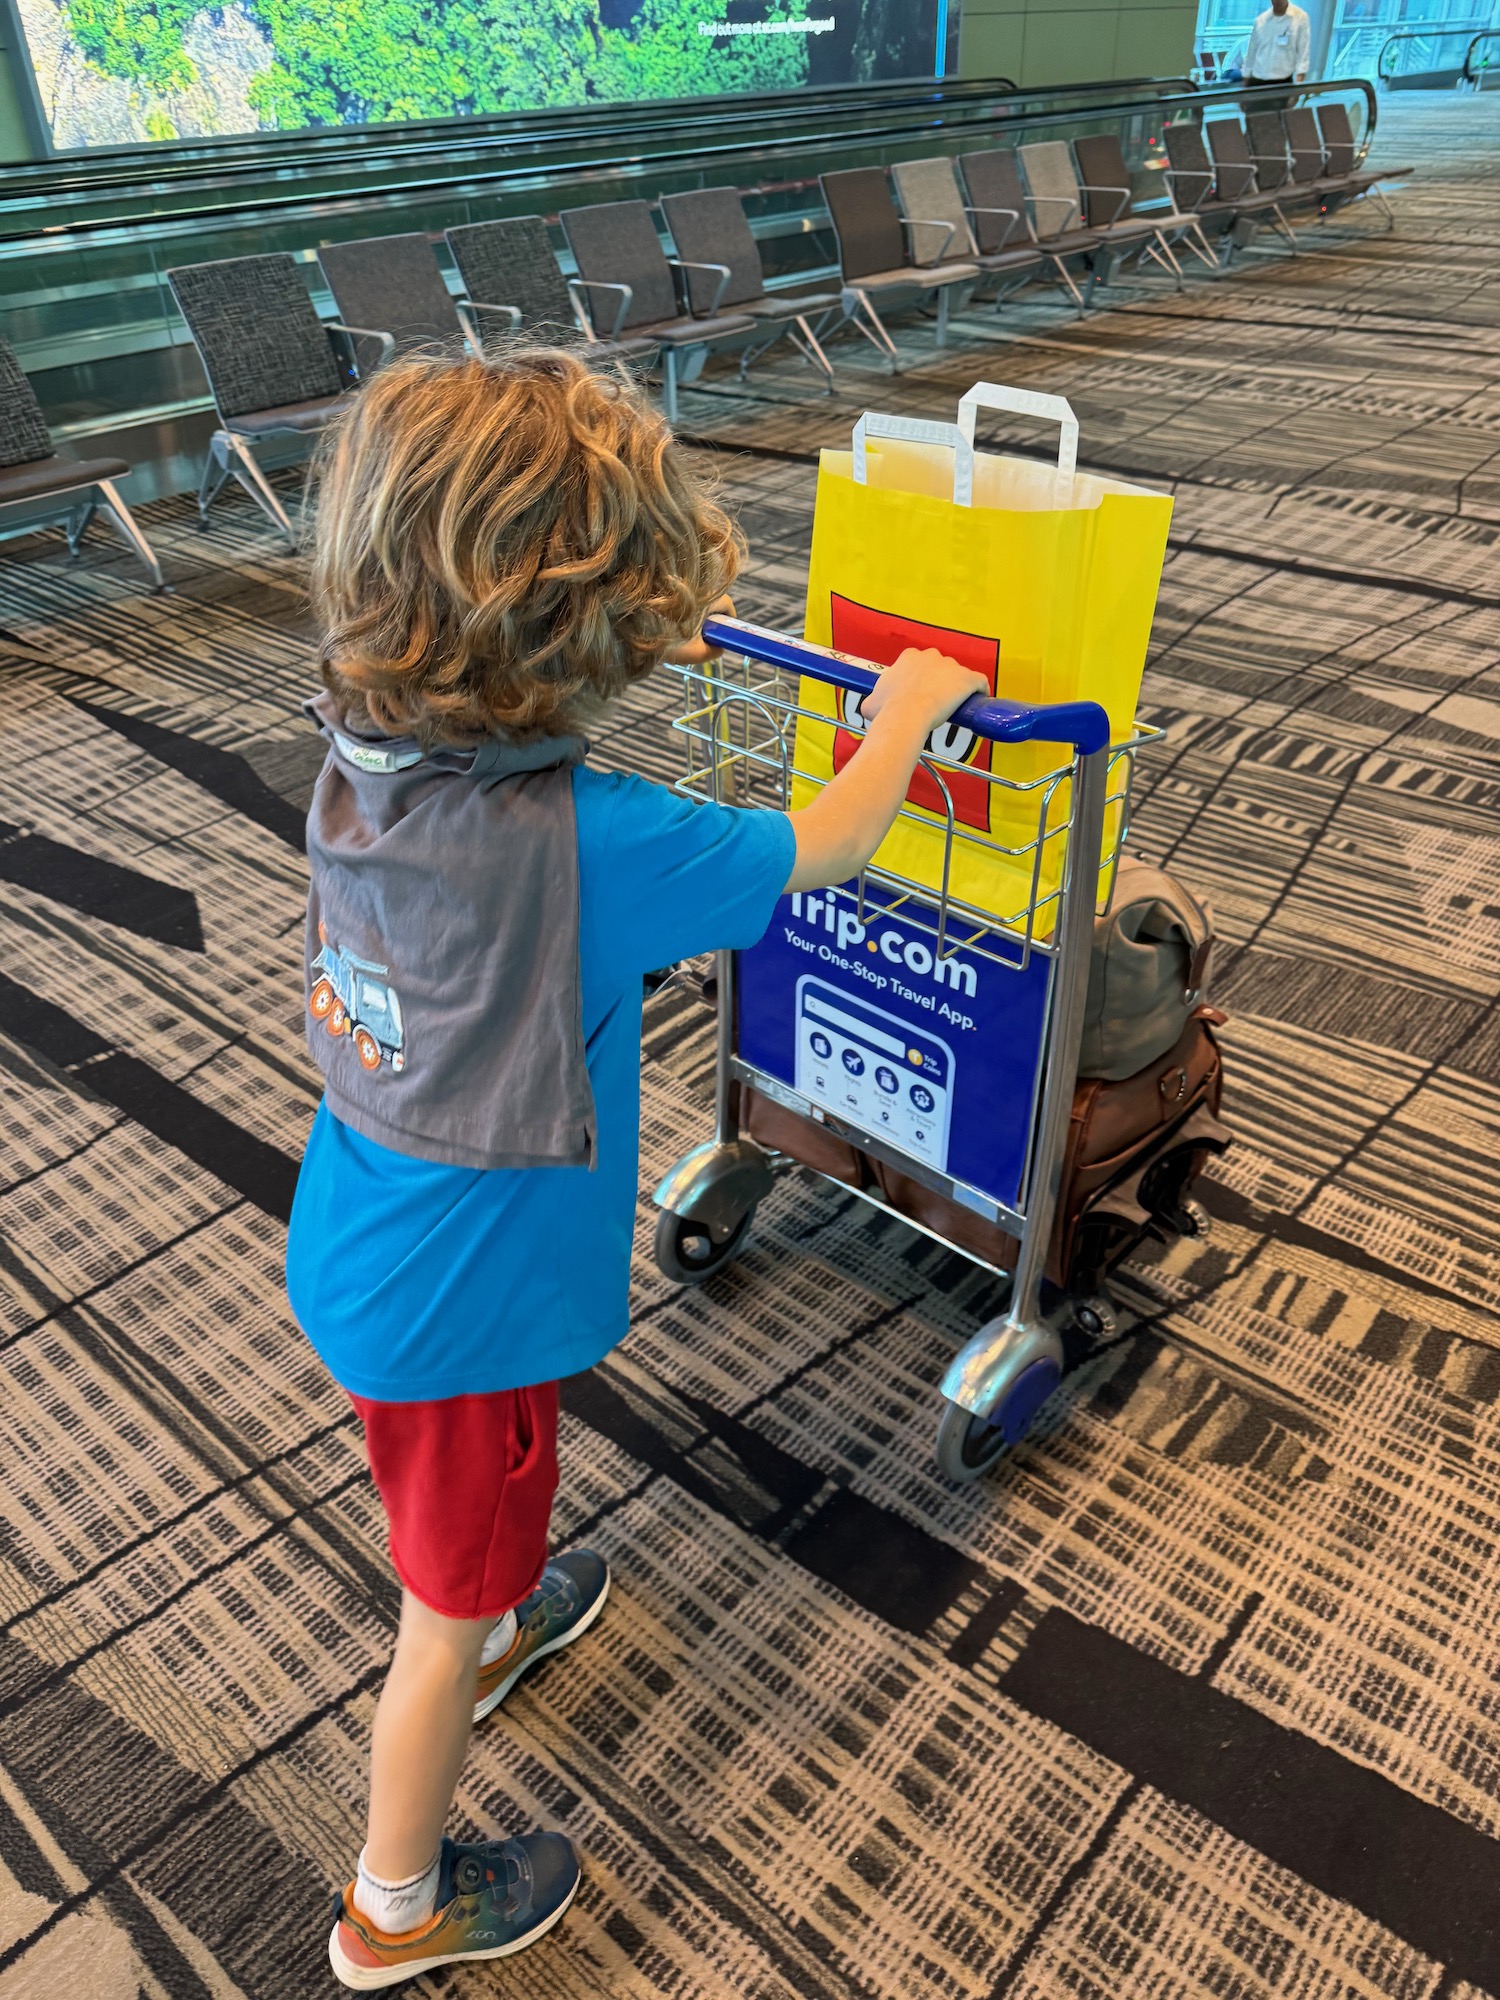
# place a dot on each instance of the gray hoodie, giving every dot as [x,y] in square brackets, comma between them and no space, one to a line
[444,996]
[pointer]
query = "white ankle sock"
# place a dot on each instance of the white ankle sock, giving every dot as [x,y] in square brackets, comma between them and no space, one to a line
[502,1637]
[394,1907]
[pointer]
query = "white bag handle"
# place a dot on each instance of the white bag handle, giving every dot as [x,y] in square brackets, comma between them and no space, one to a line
[1025,403]
[922,430]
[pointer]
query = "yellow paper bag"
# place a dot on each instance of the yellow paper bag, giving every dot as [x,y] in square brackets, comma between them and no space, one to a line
[1044,580]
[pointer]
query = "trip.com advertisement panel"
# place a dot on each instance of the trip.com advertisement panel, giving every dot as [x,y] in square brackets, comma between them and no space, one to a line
[119,72]
[937,1057]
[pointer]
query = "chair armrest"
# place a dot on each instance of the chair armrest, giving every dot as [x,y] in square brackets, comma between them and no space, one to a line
[1171,176]
[914,223]
[578,286]
[472,313]
[685,291]
[1302,153]
[1120,206]
[1248,184]
[1065,202]
[1013,215]
[345,343]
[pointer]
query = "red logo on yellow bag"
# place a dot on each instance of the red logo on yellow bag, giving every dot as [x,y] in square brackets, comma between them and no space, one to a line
[882,637]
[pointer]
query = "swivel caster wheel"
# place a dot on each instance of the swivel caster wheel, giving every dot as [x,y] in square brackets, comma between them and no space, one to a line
[1025,1365]
[1096,1319]
[690,1252]
[1193,1219]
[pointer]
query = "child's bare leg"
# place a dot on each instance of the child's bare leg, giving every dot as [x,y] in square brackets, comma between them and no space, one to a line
[420,1901]
[421,1734]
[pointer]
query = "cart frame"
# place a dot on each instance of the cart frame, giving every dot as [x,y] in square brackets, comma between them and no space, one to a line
[737,716]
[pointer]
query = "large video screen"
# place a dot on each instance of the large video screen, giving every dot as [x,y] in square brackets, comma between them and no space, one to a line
[121,72]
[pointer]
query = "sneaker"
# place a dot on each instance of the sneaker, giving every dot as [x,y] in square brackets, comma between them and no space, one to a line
[561,1609]
[494,1897]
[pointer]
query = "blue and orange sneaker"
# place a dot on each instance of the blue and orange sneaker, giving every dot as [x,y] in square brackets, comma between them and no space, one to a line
[494,1897]
[561,1609]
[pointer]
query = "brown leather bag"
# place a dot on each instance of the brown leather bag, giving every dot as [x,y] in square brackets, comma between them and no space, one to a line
[1133,1151]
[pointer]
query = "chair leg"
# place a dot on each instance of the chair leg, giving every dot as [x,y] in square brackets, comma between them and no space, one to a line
[941,337]
[669,383]
[1160,252]
[124,520]
[1200,246]
[751,354]
[1064,277]
[814,348]
[255,483]
[215,472]
[872,326]
[79,519]
[1284,226]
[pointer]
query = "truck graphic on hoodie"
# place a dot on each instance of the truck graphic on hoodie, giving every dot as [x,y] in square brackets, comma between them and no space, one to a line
[350,997]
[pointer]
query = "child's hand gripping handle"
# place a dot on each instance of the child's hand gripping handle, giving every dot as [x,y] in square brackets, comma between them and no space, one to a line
[1083,724]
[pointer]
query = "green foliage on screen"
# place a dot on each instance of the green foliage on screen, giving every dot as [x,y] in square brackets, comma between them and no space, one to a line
[351,62]
[139,39]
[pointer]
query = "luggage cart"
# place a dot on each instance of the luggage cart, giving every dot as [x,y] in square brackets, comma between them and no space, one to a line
[936,1037]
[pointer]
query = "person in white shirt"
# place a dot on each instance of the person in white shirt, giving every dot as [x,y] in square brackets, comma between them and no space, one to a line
[1277,50]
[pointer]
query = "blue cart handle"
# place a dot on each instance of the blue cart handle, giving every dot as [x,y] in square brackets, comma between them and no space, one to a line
[1084,724]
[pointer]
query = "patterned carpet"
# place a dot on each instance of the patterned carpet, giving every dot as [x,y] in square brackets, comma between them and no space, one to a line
[1198,1694]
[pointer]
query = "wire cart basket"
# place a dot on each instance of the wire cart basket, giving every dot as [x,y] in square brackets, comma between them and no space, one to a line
[936,1036]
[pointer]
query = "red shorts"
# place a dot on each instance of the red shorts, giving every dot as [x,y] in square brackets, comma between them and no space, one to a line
[467,1485]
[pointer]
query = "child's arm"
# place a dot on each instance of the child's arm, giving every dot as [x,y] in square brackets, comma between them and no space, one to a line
[846,822]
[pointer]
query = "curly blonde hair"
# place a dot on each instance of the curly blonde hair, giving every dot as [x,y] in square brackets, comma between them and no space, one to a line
[503,545]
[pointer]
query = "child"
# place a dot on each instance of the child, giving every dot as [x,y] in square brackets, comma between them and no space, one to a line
[500,549]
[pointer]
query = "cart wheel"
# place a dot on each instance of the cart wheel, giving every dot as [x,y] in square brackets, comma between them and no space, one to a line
[688,1252]
[967,1446]
[1096,1318]
[367,1048]
[1193,1219]
[321,1000]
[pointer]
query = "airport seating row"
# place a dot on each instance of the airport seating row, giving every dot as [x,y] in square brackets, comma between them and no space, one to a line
[960,227]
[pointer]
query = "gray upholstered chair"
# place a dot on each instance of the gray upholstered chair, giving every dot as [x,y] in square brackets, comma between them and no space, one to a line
[1193,184]
[885,258]
[1341,156]
[1060,207]
[1054,196]
[34,478]
[1305,143]
[712,235]
[513,284]
[1315,171]
[1236,176]
[628,285]
[1109,204]
[997,193]
[1000,214]
[1268,151]
[929,190]
[393,284]
[273,367]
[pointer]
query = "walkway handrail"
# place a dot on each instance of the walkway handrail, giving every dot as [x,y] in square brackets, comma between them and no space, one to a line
[726,160]
[1438,31]
[1471,75]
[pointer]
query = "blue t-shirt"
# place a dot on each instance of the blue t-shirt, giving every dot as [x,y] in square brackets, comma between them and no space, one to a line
[416,1281]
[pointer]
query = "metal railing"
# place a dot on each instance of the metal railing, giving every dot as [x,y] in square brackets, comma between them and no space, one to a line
[1425,58]
[83,292]
[1478,69]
